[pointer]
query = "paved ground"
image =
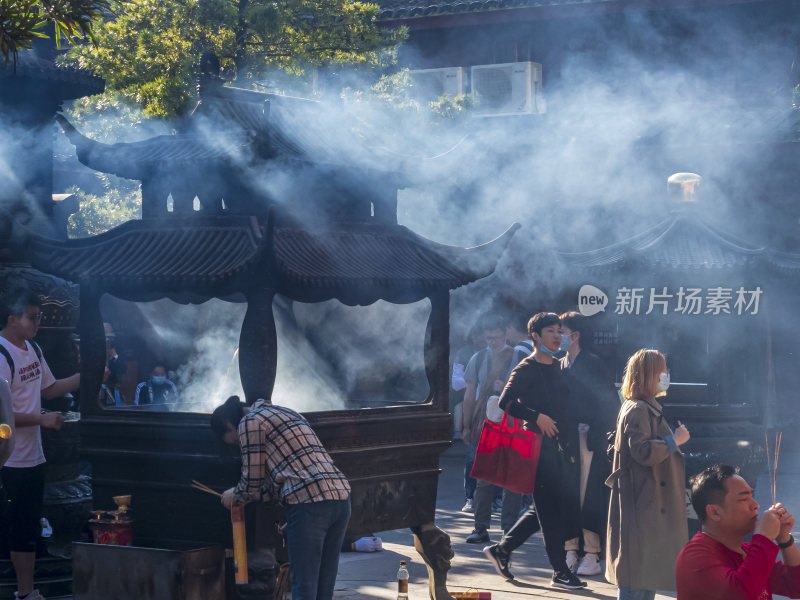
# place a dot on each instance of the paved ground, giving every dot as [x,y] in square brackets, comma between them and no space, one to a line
[372,576]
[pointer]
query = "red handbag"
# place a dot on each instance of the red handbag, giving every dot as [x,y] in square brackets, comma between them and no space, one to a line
[507,456]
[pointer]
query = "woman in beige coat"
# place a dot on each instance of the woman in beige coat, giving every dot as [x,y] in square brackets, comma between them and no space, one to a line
[647,523]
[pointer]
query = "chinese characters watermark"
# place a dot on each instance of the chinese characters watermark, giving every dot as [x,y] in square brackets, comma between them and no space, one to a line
[688,301]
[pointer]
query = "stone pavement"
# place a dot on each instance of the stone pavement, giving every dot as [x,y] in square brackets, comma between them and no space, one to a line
[373,575]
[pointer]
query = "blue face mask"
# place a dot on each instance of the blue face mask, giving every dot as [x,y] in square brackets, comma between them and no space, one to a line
[565,343]
[548,351]
[159,379]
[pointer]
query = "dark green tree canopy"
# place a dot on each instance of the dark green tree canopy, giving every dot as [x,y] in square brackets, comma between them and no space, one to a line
[23,21]
[151,50]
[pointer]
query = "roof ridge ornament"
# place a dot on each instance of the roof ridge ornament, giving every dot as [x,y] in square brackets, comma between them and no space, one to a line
[682,187]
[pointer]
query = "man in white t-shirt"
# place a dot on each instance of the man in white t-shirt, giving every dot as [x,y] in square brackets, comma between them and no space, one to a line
[29,378]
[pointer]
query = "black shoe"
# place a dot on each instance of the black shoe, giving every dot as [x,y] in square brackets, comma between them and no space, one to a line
[500,560]
[478,536]
[567,580]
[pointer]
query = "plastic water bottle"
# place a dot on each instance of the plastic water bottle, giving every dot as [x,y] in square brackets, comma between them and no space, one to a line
[402,581]
[47,530]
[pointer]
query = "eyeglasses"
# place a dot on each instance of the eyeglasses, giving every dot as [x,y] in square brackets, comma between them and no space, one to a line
[37,317]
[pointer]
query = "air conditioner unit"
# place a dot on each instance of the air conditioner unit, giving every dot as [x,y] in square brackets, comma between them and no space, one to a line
[507,89]
[431,84]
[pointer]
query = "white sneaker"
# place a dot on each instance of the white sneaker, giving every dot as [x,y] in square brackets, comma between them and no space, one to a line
[572,560]
[590,565]
[34,595]
[468,506]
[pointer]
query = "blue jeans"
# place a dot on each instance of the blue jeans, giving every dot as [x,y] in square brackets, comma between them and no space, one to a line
[315,531]
[469,482]
[630,594]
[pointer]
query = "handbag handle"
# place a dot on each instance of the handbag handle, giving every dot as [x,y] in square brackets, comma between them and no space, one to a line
[512,431]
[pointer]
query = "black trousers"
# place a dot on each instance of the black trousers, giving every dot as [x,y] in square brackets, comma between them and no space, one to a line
[24,489]
[552,511]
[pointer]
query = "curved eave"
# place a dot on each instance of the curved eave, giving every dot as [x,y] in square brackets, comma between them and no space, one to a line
[138,160]
[784,261]
[681,243]
[143,258]
[360,267]
[480,261]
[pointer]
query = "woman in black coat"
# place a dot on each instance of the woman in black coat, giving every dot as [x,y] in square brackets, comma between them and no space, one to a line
[593,405]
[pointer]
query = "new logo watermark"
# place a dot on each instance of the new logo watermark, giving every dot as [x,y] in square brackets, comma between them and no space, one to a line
[591,300]
[630,300]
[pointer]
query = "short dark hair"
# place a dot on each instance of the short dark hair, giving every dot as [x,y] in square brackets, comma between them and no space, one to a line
[493,323]
[15,300]
[541,320]
[577,322]
[517,321]
[230,412]
[708,487]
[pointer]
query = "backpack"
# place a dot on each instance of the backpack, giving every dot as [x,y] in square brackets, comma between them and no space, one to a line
[4,351]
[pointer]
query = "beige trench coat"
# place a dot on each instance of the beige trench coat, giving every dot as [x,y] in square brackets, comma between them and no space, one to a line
[647,524]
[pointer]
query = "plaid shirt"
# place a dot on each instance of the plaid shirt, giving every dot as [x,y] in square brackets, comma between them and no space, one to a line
[282,458]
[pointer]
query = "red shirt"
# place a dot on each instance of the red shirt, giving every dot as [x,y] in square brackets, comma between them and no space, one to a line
[709,570]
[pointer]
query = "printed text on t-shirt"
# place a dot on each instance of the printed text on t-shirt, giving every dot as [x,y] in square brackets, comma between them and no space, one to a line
[32,371]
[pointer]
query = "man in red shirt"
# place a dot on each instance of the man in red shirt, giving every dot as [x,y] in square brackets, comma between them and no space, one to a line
[716,564]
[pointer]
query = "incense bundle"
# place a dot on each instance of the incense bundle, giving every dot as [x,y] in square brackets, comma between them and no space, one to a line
[772,465]
[204,488]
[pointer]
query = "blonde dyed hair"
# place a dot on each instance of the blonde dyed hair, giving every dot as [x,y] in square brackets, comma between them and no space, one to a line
[642,373]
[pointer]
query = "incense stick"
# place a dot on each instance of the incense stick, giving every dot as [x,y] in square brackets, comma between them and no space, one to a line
[204,488]
[777,452]
[772,464]
[769,466]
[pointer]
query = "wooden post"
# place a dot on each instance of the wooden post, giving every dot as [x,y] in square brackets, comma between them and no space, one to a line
[437,350]
[93,349]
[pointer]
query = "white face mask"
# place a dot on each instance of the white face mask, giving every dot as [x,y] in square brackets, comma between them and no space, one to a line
[663,382]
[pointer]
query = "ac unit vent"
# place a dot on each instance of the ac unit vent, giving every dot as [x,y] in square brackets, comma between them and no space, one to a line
[507,89]
[431,84]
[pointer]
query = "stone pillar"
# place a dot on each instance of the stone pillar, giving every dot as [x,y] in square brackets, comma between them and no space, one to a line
[258,347]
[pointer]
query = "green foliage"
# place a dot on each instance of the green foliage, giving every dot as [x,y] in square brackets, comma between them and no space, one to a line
[452,108]
[111,118]
[22,21]
[397,92]
[150,52]
[121,202]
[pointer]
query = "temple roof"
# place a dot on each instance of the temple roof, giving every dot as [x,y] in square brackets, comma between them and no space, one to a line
[407,9]
[133,159]
[231,127]
[199,258]
[154,254]
[682,242]
[359,266]
[414,9]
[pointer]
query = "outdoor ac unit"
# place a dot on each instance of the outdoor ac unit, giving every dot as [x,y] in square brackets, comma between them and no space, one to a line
[507,89]
[431,84]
